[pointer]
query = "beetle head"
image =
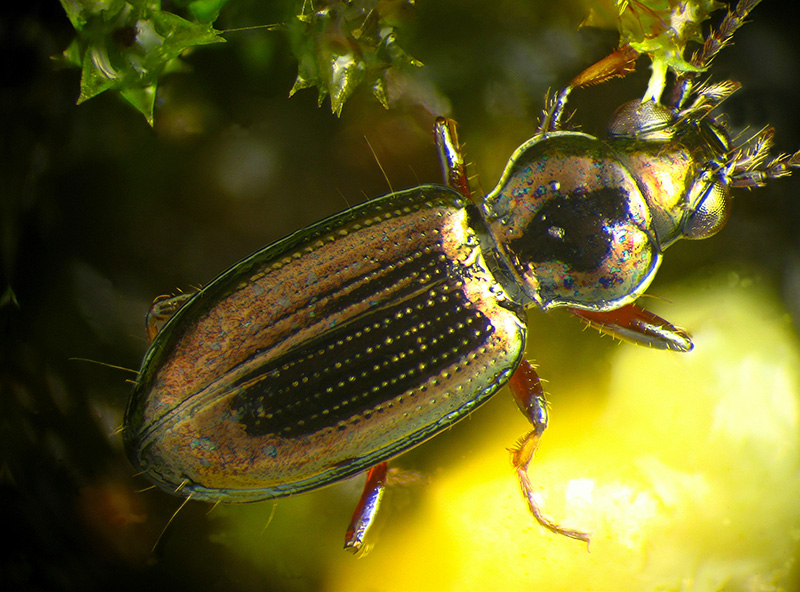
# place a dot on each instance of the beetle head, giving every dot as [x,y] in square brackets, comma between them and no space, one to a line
[683,163]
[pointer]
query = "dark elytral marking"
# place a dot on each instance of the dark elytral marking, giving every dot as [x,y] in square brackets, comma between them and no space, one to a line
[349,370]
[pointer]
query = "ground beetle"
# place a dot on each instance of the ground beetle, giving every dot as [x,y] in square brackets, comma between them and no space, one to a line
[353,340]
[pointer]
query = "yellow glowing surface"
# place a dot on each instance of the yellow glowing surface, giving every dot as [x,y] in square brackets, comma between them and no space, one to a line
[687,476]
[685,468]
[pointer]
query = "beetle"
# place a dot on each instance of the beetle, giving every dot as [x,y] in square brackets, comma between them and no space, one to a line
[347,343]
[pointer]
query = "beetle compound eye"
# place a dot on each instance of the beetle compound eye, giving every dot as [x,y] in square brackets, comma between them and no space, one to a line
[710,215]
[642,120]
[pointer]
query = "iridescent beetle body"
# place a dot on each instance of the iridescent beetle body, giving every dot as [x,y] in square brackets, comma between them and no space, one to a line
[351,341]
[330,351]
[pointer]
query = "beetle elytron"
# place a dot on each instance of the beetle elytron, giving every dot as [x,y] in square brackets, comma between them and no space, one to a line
[353,340]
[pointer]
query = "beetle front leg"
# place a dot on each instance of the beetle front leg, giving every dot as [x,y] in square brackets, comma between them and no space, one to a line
[451,159]
[617,64]
[529,395]
[367,507]
[636,325]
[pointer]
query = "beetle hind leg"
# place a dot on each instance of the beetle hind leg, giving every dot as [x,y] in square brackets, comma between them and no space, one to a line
[529,395]
[367,507]
[162,310]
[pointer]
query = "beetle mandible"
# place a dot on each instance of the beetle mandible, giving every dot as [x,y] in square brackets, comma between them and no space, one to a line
[351,341]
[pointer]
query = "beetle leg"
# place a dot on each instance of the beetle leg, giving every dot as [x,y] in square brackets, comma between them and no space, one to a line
[529,395]
[554,109]
[161,311]
[617,64]
[367,507]
[636,325]
[454,170]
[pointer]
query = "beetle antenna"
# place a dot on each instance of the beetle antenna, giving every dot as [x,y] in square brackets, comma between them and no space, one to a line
[717,40]
[714,43]
[708,96]
[754,151]
[550,119]
[749,165]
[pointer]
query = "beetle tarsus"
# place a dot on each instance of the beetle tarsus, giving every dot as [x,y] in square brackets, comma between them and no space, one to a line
[617,64]
[541,519]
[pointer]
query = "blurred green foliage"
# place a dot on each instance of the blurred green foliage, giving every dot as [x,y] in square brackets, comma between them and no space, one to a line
[344,44]
[662,29]
[127,45]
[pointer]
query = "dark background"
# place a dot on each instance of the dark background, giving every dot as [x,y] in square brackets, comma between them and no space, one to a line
[101,213]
